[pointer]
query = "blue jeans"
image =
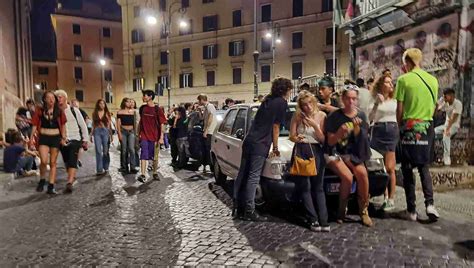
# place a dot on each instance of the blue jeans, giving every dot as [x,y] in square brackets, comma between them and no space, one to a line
[247,180]
[25,163]
[127,149]
[101,142]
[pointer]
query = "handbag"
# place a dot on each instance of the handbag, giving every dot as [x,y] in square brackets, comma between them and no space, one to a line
[303,167]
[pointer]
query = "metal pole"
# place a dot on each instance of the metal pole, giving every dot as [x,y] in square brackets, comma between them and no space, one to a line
[273,52]
[255,52]
[168,54]
[334,6]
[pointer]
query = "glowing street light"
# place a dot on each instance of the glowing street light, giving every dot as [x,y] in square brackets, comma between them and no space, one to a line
[37,86]
[102,62]
[268,35]
[183,24]
[151,20]
[278,41]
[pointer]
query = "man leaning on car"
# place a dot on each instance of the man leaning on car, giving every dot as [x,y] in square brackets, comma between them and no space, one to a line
[263,133]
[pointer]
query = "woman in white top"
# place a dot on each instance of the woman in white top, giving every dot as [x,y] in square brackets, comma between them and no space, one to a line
[385,133]
[306,131]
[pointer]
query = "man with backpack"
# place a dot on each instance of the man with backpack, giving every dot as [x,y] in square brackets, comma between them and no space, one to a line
[151,124]
[77,136]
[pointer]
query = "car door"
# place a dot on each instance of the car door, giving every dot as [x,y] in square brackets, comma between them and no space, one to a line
[236,140]
[221,140]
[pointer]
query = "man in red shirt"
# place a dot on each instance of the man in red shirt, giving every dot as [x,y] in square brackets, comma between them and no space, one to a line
[151,123]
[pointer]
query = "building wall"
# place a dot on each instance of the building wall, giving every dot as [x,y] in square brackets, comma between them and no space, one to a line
[92,43]
[50,80]
[313,24]
[15,59]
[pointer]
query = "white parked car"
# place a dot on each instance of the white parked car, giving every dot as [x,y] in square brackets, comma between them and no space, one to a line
[275,184]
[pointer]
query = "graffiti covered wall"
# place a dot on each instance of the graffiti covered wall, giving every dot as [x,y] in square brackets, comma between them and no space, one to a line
[437,39]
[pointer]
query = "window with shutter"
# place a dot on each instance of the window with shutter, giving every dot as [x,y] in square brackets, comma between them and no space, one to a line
[211,78]
[237,76]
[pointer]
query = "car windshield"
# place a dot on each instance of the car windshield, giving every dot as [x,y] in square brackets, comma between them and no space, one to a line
[284,128]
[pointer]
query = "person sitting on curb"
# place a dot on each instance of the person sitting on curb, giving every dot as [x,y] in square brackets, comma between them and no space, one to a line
[453,109]
[17,159]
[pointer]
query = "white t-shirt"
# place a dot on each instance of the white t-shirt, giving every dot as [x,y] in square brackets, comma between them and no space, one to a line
[365,100]
[210,111]
[386,111]
[455,108]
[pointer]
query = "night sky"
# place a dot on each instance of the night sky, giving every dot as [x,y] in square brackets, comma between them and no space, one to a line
[42,33]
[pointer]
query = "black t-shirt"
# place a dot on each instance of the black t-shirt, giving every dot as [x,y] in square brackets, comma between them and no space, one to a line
[181,128]
[83,113]
[259,138]
[355,146]
[334,103]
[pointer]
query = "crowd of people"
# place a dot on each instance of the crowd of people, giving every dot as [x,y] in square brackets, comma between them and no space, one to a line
[339,129]
[337,132]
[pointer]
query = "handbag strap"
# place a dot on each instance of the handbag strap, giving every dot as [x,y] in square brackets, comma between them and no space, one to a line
[429,88]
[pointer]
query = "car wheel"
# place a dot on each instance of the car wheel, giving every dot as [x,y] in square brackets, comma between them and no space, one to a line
[259,197]
[218,175]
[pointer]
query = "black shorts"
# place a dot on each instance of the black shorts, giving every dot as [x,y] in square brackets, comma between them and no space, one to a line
[70,153]
[50,141]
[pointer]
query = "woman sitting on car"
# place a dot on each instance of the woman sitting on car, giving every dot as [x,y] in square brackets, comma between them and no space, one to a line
[306,131]
[347,148]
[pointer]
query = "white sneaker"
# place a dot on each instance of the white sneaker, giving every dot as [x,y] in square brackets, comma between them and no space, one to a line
[447,161]
[409,216]
[431,212]
[389,205]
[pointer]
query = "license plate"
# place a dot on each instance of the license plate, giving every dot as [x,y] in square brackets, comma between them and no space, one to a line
[333,187]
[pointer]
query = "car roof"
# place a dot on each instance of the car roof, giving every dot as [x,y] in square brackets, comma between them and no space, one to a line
[256,104]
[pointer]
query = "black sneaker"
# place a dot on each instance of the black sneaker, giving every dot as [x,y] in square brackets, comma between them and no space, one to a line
[141,178]
[133,171]
[40,186]
[79,163]
[253,216]
[156,177]
[51,189]
[68,189]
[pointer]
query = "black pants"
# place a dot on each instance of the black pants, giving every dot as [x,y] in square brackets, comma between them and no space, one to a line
[409,185]
[310,190]
[206,154]
[70,153]
[174,147]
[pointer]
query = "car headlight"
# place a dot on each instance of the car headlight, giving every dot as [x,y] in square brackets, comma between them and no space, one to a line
[375,164]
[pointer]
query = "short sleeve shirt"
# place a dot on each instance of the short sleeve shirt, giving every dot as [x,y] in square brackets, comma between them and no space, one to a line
[259,138]
[210,111]
[418,103]
[11,155]
[347,145]
[455,108]
[151,118]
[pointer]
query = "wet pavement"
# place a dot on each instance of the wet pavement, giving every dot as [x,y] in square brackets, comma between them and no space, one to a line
[184,219]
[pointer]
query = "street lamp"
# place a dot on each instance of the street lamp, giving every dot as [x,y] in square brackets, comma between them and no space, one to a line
[102,64]
[167,26]
[274,34]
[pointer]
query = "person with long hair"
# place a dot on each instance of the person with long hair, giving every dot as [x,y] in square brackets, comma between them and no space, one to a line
[102,133]
[133,104]
[126,134]
[181,126]
[347,149]
[385,133]
[263,133]
[49,123]
[306,131]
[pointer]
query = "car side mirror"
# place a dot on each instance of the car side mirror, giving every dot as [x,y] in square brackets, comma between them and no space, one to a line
[239,134]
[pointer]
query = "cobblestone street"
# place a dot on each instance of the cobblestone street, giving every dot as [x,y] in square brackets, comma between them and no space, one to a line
[185,219]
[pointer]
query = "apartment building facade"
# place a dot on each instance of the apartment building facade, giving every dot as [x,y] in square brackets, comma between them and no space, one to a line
[16,80]
[214,54]
[89,59]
